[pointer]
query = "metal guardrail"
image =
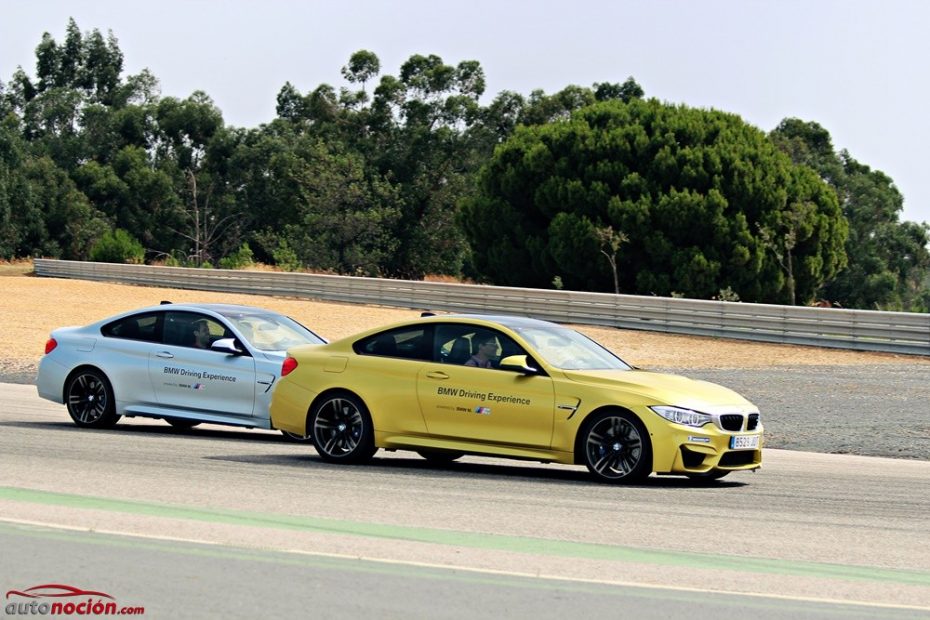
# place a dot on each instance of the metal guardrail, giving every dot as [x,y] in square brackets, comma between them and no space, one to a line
[864,330]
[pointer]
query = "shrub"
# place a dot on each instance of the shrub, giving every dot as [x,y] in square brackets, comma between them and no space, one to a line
[117,246]
[285,257]
[239,259]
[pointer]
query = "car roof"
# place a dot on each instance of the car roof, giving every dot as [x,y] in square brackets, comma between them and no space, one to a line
[221,309]
[487,320]
[501,319]
[232,309]
[513,323]
[208,306]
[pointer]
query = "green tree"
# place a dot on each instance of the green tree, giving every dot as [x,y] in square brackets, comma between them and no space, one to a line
[421,135]
[542,108]
[134,195]
[79,118]
[20,91]
[630,89]
[99,74]
[888,260]
[72,55]
[316,197]
[291,104]
[345,222]
[429,153]
[192,147]
[69,224]
[363,66]
[14,206]
[691,190]
[609,242]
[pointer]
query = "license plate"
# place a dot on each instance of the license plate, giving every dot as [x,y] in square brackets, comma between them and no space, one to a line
[744,442]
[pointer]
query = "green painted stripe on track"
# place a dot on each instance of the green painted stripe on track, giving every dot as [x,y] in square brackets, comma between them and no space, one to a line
[519,544]
[741,603]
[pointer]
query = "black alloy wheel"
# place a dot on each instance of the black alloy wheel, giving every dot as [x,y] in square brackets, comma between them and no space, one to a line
[342,431]
[89,399]
[616,448]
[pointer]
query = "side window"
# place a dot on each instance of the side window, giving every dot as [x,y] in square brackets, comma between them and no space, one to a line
[454,341]
[189,329]
[405,343]
[473,345]
[137,327]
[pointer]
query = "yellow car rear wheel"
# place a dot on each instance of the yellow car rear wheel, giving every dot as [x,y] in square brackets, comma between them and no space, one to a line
[341,429]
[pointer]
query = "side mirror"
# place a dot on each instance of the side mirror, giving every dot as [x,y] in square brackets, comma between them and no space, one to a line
[517,363]
[227,345]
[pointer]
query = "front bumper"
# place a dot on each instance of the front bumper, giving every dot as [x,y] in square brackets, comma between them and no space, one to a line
[706,449]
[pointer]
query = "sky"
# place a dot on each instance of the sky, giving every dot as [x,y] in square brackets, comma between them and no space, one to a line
[856,67]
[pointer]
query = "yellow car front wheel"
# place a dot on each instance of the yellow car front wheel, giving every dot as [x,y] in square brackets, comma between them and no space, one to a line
[616,447]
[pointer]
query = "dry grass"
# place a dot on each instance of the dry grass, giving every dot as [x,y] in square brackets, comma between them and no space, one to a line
[21,267]
[32,307]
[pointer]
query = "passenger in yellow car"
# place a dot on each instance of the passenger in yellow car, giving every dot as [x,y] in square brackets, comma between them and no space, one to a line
[487,347]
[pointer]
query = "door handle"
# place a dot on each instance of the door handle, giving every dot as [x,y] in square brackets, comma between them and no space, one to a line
[437,374]
[165,355]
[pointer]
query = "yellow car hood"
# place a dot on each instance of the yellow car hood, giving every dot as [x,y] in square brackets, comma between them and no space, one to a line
[665,389]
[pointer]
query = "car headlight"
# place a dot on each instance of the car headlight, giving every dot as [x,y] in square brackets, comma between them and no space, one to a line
[679,415]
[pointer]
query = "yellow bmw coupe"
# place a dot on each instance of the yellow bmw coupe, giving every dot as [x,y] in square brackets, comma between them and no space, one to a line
[445,386]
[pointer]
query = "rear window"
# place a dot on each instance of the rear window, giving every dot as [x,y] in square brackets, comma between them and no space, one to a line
[405,343]
[136,327]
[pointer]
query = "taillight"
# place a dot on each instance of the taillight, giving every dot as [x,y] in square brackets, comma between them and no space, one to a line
[288,366]
[50,345]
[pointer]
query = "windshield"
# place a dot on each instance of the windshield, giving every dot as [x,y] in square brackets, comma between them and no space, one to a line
[272,332]
[570,350]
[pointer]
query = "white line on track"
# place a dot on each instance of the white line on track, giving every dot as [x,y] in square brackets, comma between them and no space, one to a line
[485,571]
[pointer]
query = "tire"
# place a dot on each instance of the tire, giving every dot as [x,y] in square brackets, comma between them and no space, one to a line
[616,448]
[341,429]
[89,399]
[295,437]
[182,423]
[440,456]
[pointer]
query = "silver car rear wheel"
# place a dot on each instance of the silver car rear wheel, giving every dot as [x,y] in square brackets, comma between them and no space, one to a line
[89,398]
